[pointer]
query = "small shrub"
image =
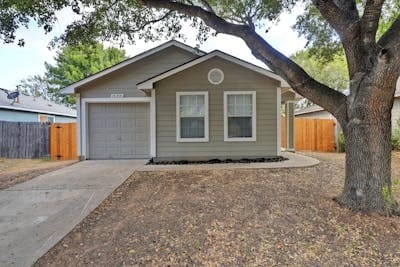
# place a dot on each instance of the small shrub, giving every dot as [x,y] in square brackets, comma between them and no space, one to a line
[341,142]
[389,194]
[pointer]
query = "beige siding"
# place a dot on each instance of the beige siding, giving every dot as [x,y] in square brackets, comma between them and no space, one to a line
[124,80]
[236,79]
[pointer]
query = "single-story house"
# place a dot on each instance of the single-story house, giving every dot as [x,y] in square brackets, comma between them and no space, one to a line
[33,109]
[317,112]
[176,102]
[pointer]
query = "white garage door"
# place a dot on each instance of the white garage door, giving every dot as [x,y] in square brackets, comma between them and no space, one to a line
[119,131]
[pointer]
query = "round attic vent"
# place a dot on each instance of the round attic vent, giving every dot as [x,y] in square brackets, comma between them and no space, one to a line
[215,76]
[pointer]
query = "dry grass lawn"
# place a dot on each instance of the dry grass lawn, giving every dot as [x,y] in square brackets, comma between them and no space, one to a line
[231,218]
[15,171]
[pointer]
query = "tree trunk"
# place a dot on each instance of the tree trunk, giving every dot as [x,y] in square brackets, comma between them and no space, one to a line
[368,157]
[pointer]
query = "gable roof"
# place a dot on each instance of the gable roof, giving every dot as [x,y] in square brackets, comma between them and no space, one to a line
[71,88]
[36,105]
[149,83]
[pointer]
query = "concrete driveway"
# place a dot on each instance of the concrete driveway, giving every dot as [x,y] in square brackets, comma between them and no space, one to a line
[35,215]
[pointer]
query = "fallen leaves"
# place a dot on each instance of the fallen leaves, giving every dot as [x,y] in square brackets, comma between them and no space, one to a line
[231,218]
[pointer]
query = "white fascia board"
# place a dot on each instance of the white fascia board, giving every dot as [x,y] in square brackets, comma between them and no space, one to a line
[71,88]
[38,111]
[149,84]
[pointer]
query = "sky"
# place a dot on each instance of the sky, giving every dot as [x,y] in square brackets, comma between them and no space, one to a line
[18,63]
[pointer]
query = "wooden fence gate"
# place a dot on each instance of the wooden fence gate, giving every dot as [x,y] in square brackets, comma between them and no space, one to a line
[63,143]
[312,134]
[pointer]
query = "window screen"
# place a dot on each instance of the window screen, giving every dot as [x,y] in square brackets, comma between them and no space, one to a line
[240,116]
[192,116]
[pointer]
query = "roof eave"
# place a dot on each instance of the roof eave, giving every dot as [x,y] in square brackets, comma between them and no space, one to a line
[38,111]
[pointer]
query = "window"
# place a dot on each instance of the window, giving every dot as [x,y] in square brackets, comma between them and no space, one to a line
[192,116]
[240,116]
[46,118]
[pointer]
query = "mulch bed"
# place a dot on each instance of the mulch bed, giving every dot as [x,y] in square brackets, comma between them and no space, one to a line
[216,161]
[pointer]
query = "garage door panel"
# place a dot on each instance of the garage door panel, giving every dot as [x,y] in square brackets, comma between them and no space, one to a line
[141,123]
[119,130]
[127,124]
[141,138]
[128,137]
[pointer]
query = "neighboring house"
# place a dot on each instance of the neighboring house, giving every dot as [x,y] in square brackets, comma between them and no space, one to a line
[175,102]
[313,111]
[33,109]
[318,112]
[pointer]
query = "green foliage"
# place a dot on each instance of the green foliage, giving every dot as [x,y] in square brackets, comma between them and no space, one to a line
[72,63]
[124,21]
[333,73]
[341,142]
[35,86]
[391,10]
[323,41]
[388,193]
[396,135]
[16,14]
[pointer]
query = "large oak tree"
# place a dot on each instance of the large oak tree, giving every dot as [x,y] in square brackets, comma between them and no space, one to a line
[351,25]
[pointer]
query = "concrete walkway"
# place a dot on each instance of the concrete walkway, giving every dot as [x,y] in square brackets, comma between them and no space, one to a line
[35,215]
[295,160]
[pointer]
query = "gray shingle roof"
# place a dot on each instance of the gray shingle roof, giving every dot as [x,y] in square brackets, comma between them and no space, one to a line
[37,105]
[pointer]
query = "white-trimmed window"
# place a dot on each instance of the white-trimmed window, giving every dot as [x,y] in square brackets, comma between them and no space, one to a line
[192,116]
[47,118]
[240,116]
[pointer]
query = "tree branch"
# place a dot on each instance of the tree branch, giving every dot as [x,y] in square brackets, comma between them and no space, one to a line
[300,81]
[370,20]
[392,35]
[207,5]
[341,15]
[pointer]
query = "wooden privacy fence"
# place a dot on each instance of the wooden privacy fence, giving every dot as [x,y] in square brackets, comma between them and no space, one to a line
[38,140]
[24,139]
[312,134]
[63,143]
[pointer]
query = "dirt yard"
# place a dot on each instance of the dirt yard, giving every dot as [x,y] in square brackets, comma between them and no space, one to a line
[231,218]
[15,171]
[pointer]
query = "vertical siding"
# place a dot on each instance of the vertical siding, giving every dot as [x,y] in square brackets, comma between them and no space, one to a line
[124,81]
[237,78]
